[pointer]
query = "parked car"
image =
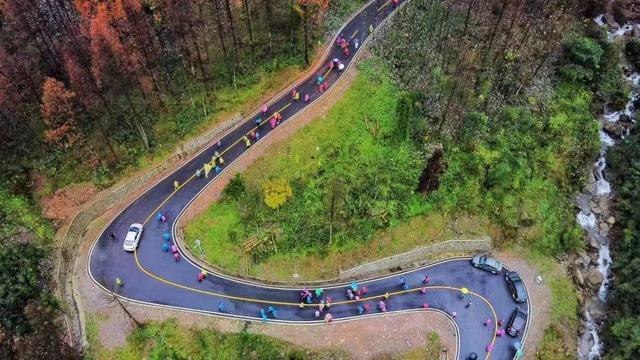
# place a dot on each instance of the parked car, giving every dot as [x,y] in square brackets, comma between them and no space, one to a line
[516,287]
[517,322]
[133,237]
[487,263]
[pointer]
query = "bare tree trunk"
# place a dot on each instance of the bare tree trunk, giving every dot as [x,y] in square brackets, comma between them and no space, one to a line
[232,27]
[220,27]
[248,14]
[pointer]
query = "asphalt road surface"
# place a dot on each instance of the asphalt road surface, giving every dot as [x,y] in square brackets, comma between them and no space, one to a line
[151,276]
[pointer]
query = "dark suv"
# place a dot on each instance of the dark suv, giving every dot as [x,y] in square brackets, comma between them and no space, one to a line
[517,322]
[516,287]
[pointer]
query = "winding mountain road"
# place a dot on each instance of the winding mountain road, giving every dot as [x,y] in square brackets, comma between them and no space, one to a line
[152,277]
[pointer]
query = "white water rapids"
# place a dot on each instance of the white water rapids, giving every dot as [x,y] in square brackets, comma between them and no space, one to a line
[590,346]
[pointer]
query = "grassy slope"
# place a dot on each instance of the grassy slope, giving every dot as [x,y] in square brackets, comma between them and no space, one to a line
[222,230]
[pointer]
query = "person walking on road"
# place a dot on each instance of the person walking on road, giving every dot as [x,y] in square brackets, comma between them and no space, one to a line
[202,275]
[403,283]
[272,310]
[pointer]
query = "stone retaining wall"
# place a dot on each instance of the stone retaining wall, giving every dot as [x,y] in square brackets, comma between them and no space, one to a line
[417,257]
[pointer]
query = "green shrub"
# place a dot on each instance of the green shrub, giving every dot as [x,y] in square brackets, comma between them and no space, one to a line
[585,52]
[236,188]
[632,51]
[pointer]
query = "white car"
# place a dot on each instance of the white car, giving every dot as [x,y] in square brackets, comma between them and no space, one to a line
[133,237]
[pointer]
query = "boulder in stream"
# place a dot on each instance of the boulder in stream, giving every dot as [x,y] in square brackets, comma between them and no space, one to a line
[593,278]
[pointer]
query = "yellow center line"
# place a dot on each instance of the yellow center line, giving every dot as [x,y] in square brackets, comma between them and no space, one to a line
[327,73]
[193,176]
[283,303]
[305,305]
[384,6]
[302,304]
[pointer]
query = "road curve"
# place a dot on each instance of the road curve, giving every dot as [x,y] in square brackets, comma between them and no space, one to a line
[152,277]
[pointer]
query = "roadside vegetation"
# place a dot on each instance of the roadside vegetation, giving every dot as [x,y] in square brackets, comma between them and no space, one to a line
[28,309]
[168,340]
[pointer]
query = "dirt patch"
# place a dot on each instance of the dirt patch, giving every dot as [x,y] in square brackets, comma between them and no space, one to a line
[64,203]
[370,338]
[539,297]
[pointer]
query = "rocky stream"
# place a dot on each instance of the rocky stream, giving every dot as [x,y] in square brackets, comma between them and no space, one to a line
[591,268]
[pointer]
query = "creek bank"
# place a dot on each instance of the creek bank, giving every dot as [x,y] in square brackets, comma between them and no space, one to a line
[591,268]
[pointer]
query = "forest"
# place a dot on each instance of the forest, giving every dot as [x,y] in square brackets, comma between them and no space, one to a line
[87,84]
[623,329]
[91,88]
[493,122]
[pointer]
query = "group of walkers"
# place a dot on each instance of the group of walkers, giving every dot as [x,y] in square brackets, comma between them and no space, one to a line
[356,294]
[217,161]
[167,244]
